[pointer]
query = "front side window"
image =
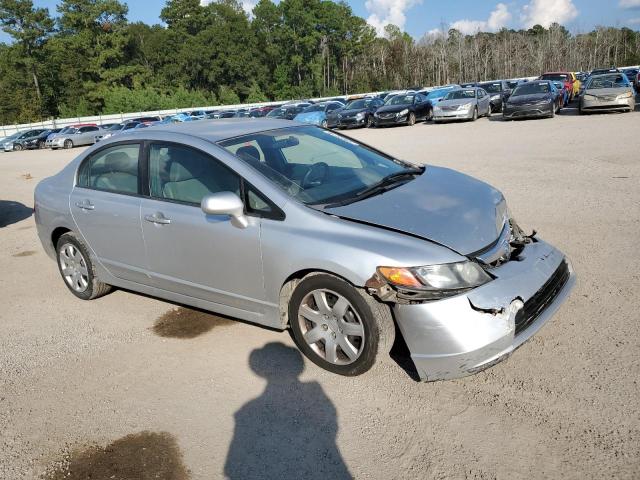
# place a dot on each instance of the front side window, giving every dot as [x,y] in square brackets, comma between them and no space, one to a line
[313,165]
[184,174]
[113,169]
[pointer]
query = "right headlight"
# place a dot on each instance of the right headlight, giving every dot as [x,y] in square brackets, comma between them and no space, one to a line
[438,281]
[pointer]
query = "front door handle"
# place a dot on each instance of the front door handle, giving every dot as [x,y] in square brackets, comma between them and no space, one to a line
[85,205]
[157,218]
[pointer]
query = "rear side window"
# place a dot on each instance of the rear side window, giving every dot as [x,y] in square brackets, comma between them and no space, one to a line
[113,169]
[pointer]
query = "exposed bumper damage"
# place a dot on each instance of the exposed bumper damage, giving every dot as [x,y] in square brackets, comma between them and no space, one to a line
[472,331]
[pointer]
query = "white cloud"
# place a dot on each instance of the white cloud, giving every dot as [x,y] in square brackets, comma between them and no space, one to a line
[385,12]
[247,5]
[546,12]
[634,21]
[629,4]
[498,19]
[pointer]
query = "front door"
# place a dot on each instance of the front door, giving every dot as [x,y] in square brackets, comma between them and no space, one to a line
[189,252]
[105,204]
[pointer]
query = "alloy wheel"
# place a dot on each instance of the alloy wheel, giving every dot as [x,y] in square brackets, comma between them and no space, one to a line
[68,144]
[17,147]
[74,267]
[331,327]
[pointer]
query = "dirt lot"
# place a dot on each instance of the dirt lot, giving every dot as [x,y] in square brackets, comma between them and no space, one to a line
[132,387]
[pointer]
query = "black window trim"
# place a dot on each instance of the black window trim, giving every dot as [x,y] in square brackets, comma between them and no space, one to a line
[140,144]
[275,214]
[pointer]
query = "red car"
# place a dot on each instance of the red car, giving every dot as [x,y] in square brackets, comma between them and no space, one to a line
[565,77]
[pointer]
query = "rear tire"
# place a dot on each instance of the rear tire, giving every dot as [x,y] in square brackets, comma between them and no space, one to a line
[320,328]
[77,270]
[41,145]
[475,114]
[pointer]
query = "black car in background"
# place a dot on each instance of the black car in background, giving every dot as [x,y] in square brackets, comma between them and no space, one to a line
[357,113]
[403,109]
[288,111]
[539,98]
[499,91]
[35,140]
[469,85]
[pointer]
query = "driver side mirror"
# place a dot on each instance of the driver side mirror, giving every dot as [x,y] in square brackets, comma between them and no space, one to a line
[225,203]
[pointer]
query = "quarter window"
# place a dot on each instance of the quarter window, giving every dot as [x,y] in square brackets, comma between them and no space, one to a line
[114,169]
[187,175]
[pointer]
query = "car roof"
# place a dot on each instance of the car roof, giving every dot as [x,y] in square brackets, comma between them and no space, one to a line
[222,129]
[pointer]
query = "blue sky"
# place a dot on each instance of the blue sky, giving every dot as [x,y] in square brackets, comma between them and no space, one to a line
[422,16]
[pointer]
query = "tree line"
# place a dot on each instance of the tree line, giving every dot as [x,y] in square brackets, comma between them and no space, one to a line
[89,59]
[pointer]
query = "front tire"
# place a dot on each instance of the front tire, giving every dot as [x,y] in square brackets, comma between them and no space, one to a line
[324,124]
[475,114]
[412,119]
[77,270]
[68,144]
[338,327]
[17,147]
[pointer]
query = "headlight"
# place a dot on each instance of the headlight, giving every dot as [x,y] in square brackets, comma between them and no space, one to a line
[360,116]
[402,113]
[624,95]
[438,280]
[466,106]
[589,97]
[495,97]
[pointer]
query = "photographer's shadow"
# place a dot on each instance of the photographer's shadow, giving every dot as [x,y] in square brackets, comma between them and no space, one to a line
[289,431]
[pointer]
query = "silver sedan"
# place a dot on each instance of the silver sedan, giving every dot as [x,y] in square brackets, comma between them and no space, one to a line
[296,227]
[465,104]
[611,91]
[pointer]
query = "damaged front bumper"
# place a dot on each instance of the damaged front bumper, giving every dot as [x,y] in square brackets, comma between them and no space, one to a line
[465,334]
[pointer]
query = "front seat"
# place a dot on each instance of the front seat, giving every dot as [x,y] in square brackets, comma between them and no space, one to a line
[189,180]
[120,174]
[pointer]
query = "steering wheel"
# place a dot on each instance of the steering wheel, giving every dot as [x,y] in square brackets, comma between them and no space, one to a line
[316,175]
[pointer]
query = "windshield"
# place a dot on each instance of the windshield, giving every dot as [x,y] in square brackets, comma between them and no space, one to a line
[531,88]
[276,112]
[313,165]
[559,85]
[608,81]
[400,100]
[358,104]
[495,87]
[436,94]
[117,126]
[460,94]
[556,76]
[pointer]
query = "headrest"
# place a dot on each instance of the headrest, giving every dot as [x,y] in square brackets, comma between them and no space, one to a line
[248,153]
[119,162]
[186,168]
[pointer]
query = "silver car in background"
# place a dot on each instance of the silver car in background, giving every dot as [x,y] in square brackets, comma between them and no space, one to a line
[611,91]
[75,137]
[465,104]
[297,227]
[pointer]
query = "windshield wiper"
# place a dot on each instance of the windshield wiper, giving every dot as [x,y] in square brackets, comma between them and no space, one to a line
[382,186]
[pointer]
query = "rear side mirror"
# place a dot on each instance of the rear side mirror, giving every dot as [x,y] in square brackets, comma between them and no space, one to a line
[225,203]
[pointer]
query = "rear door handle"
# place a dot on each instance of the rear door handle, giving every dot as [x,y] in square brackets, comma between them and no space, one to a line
[157,218]
[85,205]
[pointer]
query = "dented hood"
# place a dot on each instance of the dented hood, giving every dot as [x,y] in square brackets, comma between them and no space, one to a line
[440,205]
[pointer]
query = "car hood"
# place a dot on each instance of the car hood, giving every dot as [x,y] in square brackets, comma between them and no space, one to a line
[523,99]
[455,102]
[352,112]
[393,108]
[607,91]
[441,205]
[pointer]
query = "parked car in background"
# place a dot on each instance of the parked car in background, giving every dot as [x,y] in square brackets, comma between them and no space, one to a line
[404,109]
[49,142]
[295,227]
[602,71]
[463,104]
[513,83]
[435,95]
[562,89]
[259,112]
[151,119]
[567,78]
[499,91]
[316,114]
[538,98]
[18,143]
[357,113]
[611,91]
[38,142]
[469,85]
[632,75]
[288,112]
[115,130]
[9,140]
[76,137]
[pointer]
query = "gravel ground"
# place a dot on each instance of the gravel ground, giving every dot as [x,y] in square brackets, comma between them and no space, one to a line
[132,387]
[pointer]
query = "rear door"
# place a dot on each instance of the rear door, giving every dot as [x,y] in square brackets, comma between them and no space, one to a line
[105,204]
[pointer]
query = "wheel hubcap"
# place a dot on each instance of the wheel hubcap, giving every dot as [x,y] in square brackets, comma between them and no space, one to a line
[74,267]
[331,327]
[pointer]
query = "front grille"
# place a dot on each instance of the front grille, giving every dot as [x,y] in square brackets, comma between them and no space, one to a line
[450,109]
[387,115]
[542,298]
